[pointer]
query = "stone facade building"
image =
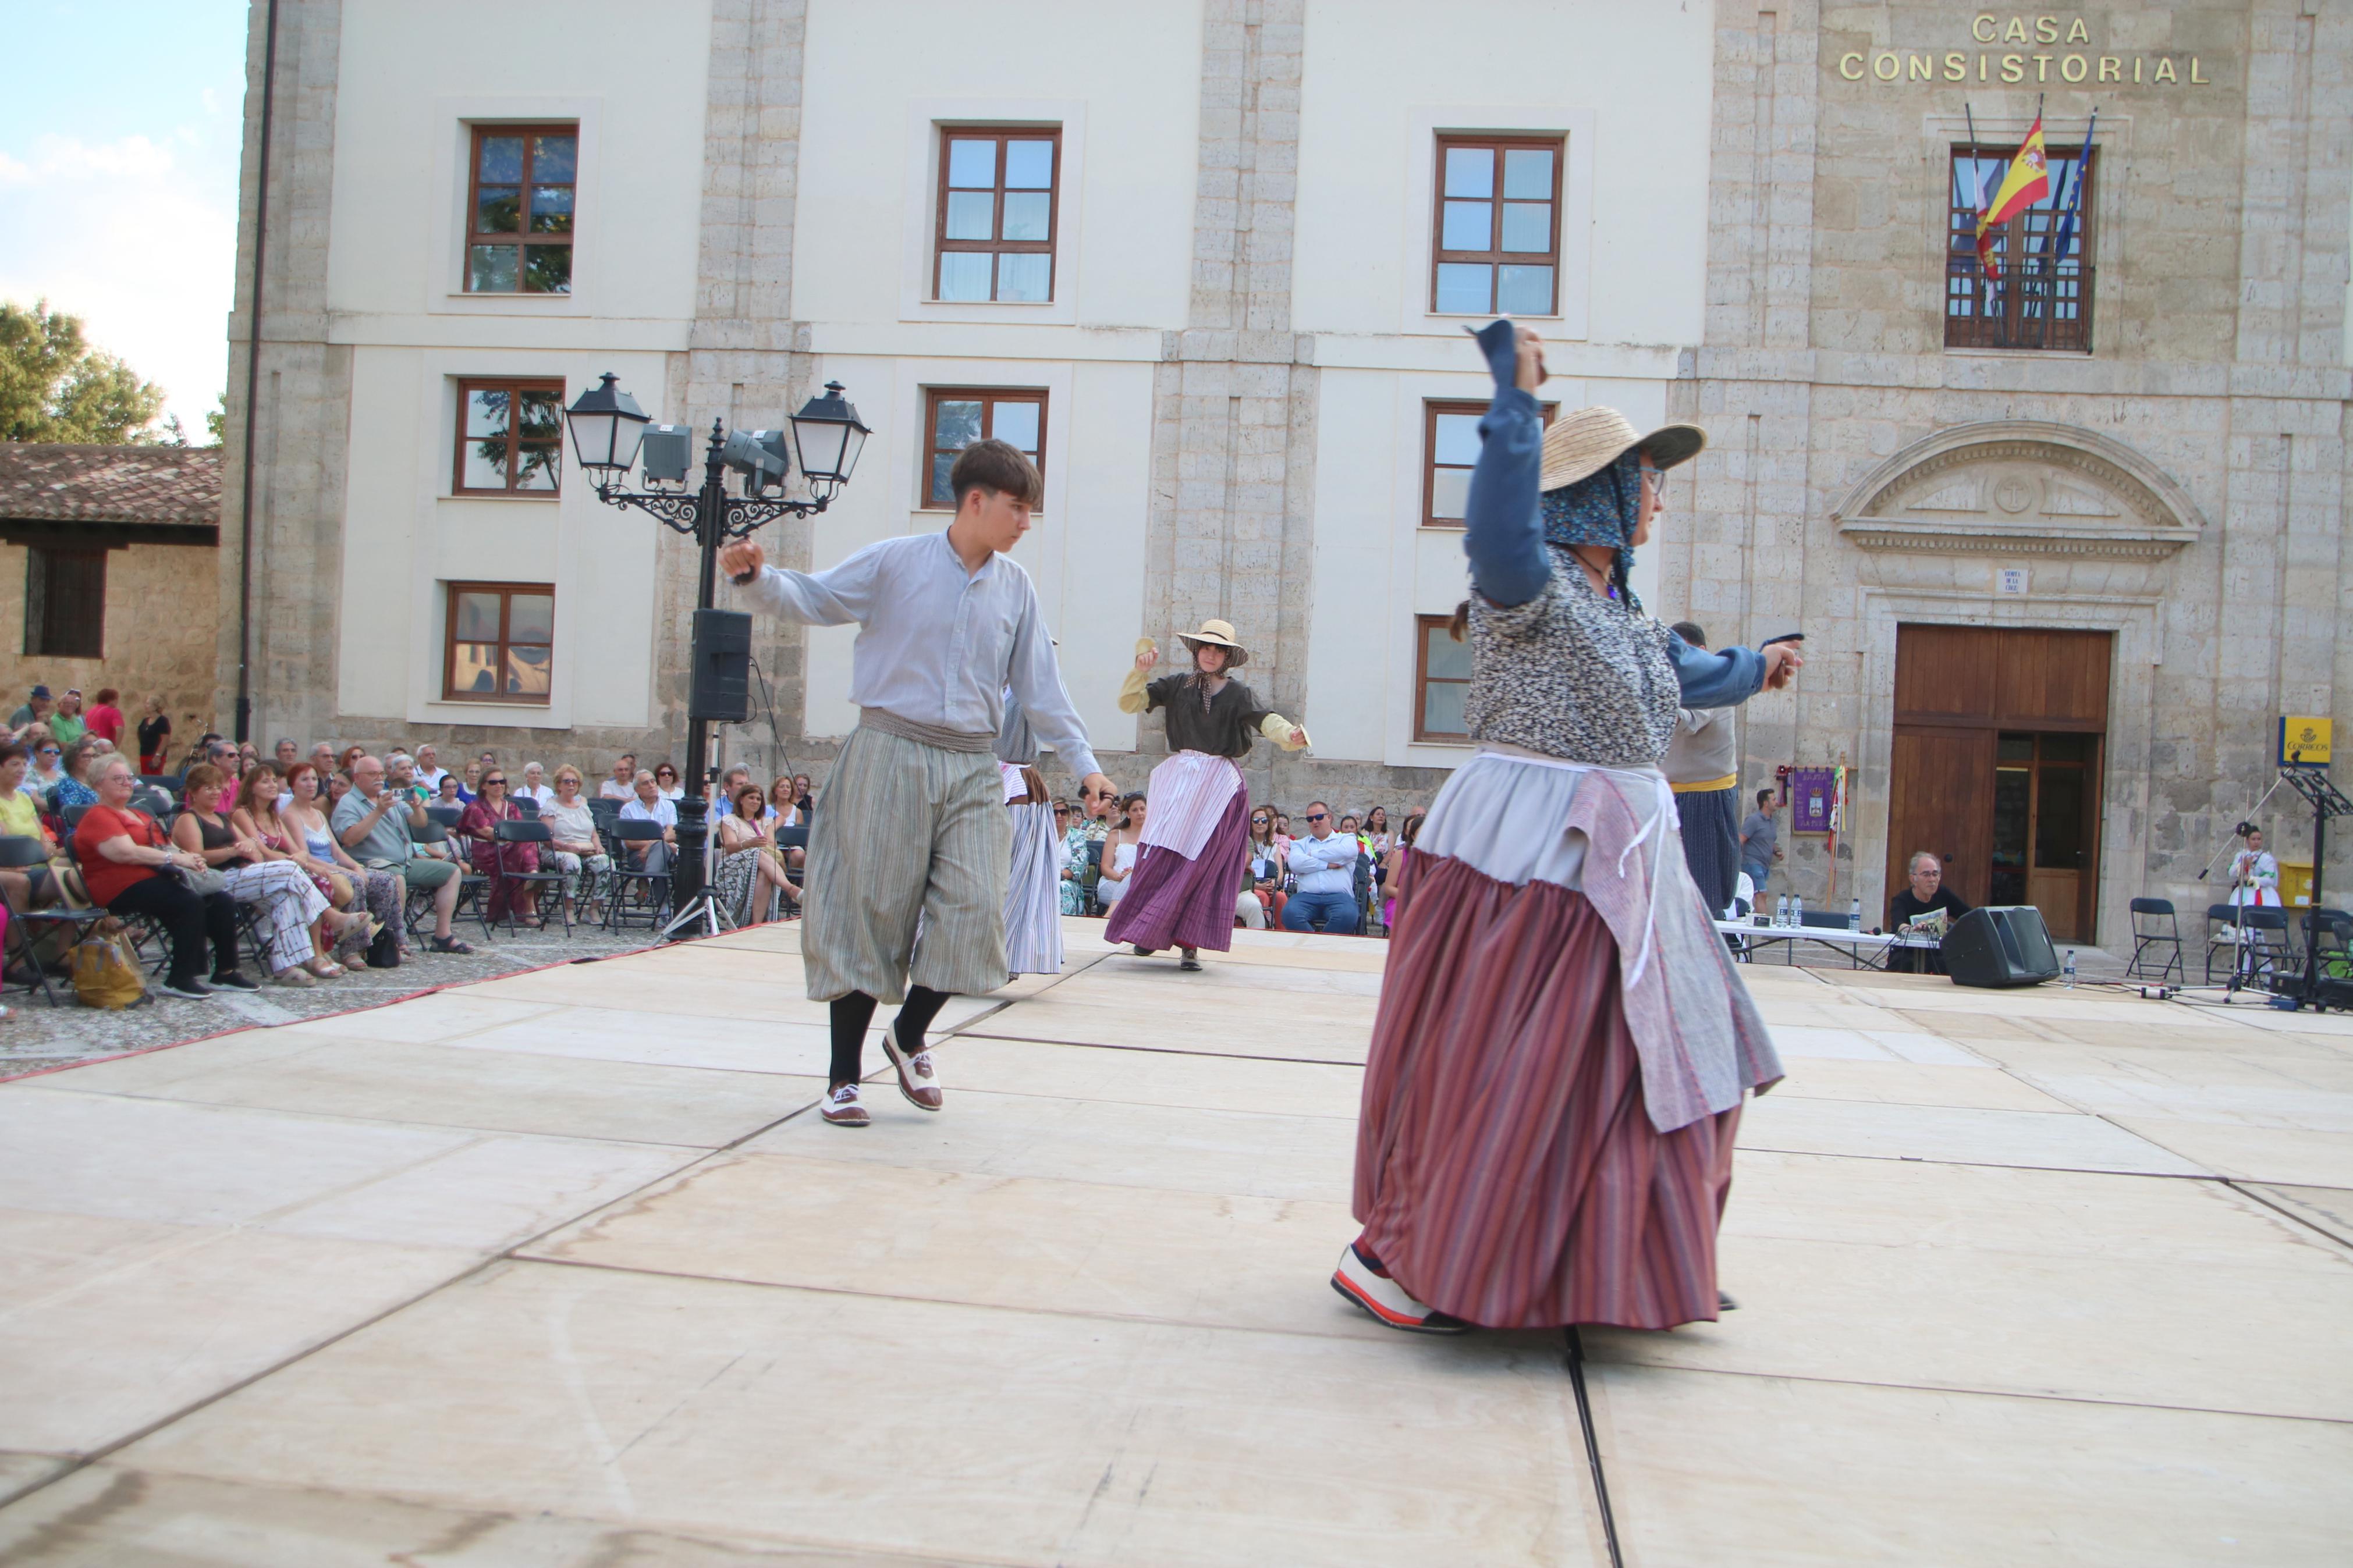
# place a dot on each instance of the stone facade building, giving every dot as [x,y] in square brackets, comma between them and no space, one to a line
[1212,262]
[2159,470]
[108,575]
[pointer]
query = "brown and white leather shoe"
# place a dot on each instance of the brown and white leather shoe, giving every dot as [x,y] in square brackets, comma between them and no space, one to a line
[841,1108]
[918,1080]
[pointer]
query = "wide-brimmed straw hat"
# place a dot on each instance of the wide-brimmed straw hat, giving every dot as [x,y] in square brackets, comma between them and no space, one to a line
[1218,634]
[1584,442]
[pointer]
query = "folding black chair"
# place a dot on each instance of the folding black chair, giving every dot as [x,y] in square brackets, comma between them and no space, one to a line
[534,833]
[470,883]
[627,875]
[446,816]
[19,853]
[2146,913]
[2255,937]
[528,806]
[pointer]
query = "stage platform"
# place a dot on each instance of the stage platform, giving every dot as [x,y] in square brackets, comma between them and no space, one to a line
[561,1268]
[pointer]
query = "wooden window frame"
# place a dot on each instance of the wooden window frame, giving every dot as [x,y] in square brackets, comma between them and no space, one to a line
[513,386]
[1494,256]
[2015,250]
[44,637]
[988,397]
[942,245]
[522,235]
[1431,407]
[1422,626]
[507,593]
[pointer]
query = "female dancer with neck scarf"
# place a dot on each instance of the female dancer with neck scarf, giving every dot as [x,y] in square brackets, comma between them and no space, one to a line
[1562,1046]
[1183,891]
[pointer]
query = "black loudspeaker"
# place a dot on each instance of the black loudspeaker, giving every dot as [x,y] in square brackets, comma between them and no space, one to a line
[2005,946]
[722,685]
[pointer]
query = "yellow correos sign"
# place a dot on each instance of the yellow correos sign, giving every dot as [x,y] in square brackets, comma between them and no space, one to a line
[2304,742]
[2047,52]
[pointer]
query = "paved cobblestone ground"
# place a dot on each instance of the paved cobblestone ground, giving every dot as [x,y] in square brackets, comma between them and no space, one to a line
[34,1036]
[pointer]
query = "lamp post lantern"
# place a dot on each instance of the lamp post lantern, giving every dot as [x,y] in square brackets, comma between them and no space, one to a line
[607,429]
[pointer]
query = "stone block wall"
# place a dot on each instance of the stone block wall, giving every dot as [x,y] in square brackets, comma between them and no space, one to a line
[162,613]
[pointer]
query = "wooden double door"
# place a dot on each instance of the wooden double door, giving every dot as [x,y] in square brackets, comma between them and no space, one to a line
[1999,733]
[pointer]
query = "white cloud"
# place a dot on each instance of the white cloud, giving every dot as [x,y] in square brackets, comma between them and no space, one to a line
[138,237]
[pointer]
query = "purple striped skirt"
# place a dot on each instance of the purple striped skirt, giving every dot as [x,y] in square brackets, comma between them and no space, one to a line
[1507,1171]
[1174,902]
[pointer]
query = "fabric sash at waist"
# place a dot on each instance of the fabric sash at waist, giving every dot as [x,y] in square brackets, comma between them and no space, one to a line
[1707,786]
[1188,794]
[891,723]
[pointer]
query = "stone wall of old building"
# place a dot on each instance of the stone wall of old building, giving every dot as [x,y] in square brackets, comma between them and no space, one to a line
[161,611]
[2219,361]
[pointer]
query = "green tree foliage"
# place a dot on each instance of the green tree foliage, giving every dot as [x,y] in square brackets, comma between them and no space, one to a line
[217,422]
[55,387]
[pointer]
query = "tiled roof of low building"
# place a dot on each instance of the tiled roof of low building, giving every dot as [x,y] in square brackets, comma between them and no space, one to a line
[42,481]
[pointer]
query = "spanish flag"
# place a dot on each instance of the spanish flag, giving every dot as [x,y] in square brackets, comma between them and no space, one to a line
[2027,182]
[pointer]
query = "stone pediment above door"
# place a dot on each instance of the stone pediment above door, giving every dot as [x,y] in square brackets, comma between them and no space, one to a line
[2020,487]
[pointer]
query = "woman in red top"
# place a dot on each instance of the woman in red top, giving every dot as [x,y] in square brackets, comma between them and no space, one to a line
[106,720]
[496,860]
[121,852]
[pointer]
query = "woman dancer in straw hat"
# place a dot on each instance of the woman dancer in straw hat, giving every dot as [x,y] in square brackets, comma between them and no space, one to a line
[1182,891]
[1562,1045]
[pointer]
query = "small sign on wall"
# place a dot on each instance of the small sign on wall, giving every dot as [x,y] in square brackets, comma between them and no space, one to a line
[2012,580]
[2304,742]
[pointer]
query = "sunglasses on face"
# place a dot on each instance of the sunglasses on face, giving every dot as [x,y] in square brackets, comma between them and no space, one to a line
[488,783]
[1062,811]
[49,752]
[1317,816]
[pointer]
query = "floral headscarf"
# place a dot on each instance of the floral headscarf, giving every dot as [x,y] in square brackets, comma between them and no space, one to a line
[1603,507]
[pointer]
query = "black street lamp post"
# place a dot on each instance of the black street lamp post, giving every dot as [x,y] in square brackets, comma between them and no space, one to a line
[608,431]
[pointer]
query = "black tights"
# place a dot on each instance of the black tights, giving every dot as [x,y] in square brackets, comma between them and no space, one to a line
[853,1013]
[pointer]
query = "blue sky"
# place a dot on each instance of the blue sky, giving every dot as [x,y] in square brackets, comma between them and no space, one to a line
[119,143]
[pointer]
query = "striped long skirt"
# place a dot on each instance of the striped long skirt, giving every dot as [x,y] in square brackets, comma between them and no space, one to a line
[1711,825]
[1507,1171]
[1172,901]
[1033,896]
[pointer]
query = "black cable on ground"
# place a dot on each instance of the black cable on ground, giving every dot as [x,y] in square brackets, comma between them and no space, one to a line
[1592,1444]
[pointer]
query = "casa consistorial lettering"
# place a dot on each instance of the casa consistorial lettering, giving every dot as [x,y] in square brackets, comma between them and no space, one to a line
[2026,50]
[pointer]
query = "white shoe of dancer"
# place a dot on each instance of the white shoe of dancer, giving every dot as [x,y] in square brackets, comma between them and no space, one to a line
[1370,1286]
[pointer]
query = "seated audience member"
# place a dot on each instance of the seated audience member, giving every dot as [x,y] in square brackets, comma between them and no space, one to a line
[33,887]
[1267,862]
[123,853]
[1323,865]
[534,787]
[453,794]
[67,724]
[572,840]
[1123,844]
[290,905]
[647,804]
[1248,910]
[350,885]
[804,793]
[154,738]
[348,756]
[748,866]
[1394,863]
[786,809]
[260,797]
[74,788]
[623,784]
[428,766]
[471,789]
[375,822]
[338,785]
[500,862]
[1072,890]
[322,757]
[284,755]
[48,770]
[665,782]
[1926,892]
[37,709]
[247,756]
[106,719]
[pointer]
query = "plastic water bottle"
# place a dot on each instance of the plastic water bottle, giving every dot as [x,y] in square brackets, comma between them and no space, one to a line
[1781,911]
[1854,914]
[1797,909]
[2067,973]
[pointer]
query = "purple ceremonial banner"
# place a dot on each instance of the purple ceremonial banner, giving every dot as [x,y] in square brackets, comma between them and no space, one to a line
[1812,792]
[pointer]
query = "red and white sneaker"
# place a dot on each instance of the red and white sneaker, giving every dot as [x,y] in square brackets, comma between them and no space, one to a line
[1368,1285]
[919,1081]
[841,1108]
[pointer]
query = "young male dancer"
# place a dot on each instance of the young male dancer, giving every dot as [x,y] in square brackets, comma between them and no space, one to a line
[914,827]
[1191,866]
